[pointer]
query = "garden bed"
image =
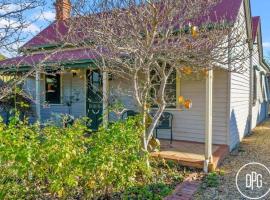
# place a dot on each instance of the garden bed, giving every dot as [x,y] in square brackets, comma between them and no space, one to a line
[166,175]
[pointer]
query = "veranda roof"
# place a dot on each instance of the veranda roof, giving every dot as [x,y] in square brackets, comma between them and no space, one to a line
[63,57]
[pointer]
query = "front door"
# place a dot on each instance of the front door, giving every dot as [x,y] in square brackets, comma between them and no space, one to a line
[94,101]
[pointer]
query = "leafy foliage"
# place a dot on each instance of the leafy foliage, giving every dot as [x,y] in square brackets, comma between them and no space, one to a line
[2,57]
[115,157]
[56,162]
[212,179]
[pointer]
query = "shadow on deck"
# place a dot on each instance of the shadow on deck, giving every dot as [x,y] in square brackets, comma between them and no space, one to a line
[190,154]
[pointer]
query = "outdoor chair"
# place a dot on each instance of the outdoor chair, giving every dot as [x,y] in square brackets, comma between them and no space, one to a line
[128,113]
[165,122]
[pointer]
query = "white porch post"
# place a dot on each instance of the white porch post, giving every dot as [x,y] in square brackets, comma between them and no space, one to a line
[105,98]
[208,120]
[38,95]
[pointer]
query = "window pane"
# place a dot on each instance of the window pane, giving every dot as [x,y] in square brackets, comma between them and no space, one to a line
[170,90]
[53,88]
[254,85]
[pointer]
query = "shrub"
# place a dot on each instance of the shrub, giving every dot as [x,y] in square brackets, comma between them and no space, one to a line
[56,162]
[35,162]
[115,158]
[212,179]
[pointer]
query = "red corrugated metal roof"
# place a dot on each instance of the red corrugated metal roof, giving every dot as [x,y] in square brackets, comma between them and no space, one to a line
[226,10]
[255,25]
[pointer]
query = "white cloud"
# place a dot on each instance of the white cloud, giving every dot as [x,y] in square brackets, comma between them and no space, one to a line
[266,45]
[30,28]
[48,15]
[42,16]
[9,8]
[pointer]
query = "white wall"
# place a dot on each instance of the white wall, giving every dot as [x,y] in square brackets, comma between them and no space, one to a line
[78,108]
[259,109]
[190,124]
[240,88]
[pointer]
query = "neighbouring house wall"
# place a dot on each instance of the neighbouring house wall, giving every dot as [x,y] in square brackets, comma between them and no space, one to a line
[70,86]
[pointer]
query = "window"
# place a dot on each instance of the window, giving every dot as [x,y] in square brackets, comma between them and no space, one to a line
[172,89]
[254,85]
[262,86]
[52,87]
[267,89]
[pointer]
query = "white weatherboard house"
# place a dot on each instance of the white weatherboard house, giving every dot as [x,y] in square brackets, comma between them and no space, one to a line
[226,105]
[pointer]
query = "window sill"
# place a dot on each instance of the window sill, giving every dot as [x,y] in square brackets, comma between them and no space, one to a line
[54,104]
[171,109]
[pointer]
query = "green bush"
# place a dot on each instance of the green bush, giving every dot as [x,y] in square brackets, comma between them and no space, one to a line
[115,158]
[56,162]
[212,179]
[155,191]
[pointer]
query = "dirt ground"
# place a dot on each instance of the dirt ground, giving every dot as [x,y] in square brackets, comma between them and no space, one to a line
[254,148]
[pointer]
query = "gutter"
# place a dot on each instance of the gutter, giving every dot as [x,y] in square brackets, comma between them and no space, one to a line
[67,65]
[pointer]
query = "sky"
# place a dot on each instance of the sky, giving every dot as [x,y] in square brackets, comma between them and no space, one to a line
[262,8]
[40,21]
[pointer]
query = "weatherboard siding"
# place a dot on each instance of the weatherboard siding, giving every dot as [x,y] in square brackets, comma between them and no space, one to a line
[190,124]
[259,109]
[70,85]
[240,88]
[239,121]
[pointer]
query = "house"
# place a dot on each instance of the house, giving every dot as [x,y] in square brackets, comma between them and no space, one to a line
[226,105]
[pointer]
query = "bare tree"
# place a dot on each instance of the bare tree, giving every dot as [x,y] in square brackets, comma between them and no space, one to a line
[14,21]
[15,27]
[149,42]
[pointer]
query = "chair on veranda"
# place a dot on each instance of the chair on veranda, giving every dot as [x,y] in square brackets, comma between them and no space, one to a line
[165,122]
[128,113]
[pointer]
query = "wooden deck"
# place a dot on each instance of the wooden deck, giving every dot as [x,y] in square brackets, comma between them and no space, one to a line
[190,154]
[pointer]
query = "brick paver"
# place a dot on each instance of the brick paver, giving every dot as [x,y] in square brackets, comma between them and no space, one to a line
[186,189]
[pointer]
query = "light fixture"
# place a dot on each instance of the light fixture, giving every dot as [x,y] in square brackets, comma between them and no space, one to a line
[74,72]
[50,88]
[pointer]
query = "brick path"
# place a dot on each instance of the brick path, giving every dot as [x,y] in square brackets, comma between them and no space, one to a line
[186,189]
